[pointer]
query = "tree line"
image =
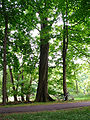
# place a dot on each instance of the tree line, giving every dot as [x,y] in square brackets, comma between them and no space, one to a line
[23,53]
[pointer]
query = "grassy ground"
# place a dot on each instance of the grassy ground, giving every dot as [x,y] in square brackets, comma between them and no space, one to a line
[77,98]
[82,97]
[70,114]
[42,103]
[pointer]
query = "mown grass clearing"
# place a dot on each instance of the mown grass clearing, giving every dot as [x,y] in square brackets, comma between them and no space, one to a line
[82,97]
[70,114]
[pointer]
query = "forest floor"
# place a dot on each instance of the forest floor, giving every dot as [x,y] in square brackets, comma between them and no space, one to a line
[39,108]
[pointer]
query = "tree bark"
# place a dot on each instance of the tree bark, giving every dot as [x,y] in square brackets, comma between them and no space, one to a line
[27,98]
[64,66]
[65,47]
[42,90]
[4,64]
[76,86]
[4,90]
[28,95]
[12,81]
[43,74]
[22,92]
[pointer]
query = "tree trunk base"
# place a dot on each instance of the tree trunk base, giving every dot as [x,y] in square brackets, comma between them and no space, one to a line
[27,98]
[50,98]
[44,100]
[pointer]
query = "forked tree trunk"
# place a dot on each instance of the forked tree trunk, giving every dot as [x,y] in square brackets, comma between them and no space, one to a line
[12,81]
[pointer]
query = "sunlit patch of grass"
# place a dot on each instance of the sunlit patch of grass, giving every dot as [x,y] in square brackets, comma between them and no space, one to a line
[82,97]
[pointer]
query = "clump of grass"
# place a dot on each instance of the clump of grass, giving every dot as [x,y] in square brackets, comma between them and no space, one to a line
[71,114]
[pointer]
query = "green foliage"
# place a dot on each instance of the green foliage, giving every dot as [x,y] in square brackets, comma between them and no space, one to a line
[23,47]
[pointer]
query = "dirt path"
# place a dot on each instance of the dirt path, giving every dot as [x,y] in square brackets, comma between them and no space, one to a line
[38,108]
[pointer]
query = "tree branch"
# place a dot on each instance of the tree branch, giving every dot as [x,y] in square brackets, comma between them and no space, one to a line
[80,51]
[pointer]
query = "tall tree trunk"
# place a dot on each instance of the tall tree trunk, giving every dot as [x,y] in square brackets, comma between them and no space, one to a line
[4,64]
[42,90]
[4,91]
[7,98]
[65,47]
[28,95]
[22,92]
[64,66]
[17,77]
[76,86]
[12,81]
